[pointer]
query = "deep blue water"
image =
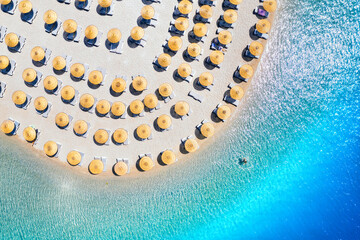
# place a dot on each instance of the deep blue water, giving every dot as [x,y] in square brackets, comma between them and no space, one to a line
[299,125]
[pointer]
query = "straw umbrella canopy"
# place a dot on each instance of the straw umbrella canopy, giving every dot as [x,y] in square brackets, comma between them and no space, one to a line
[164,60]
[216,57]
[235,2]
[59,63]
[194,49]
[103,107]
[120,168]
[87,101]
[29,134]
[25,6]
[205,11]
[118,109]
[270,5]
[7,126]
[67,93]
[230,16]
[246,71]
[95,77]
[4,62]
[184,70]
[70,26]
[163,121]
[114,35]
[105,3]
[96,167]
[225,37]
[175,43]
[200,29]
[191,145]
[77,70]
[80,127]
[146,163]
[73,158]
[137,33]
[206,79]
[118,85]
[256,48]
[50,83]
[181,23]
[19,97]
[120,135]
[182,108]
[50,148]
[147,12]
[185,7]
[50,17]
[37,54]
[168,157]
[139,83]
[263,26]
[101,136]
[151,101]
[165,90]
[62,120]
[236,92]
[11,40]
[5,2]
[223,112]
[136,107]
[143,131]
[91,32]
[40,104]
[207,129]
[29,75]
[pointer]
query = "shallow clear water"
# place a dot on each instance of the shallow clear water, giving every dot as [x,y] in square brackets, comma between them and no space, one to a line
[299,126]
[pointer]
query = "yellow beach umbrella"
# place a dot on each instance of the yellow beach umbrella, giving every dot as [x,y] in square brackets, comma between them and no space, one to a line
[139,83]
[150,101]
[37,54]
[205,11]
[4,62]
[118,109]
[225,37]
[168,157]
[59,63]
[223,112]
[175,43]
[200,29]
[191,145]
[67,93]
[256,48]
[96,167]
[29,134]
[5,2]
[95,77]
[91,32]
[230,16]
[50,148]
[216,57]
[101,136]
[87,101]
[147,12]
[40,104]
[146,163]
[182,108]
[50,17]
[270,5]
[165,90]
[11,40]
[185,7]
[181,23]
[194,49]
[77,70]
[120,135]
[80,127]
[164,60]
[62,119]
[206,79]
[143,131]
[136,107]
[7,126]
[118,85]
[184,70]
[235,2]
[246,71]
[50,83]
[114,35]
[19,97]
[263,26]
[70,26]
[29,75]
[164,121]
[120,168]
[137,33]
[25,6]
[73,158]
[105,3]
[207,129]
[236,92]
[103,107]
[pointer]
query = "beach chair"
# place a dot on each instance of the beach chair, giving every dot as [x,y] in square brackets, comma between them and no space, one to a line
[199,18]
[172,29]
[64,1]
[109,11]
[117,47]
[248,54]
[177,13]
[58,150]
[230,100]
[10,69]
[183,140]
[30,16]
[3,31]
[10,8]
[126,161]
[196,96]
[38,132]
[261,35]
[68,60]
[103,72]
[55,29]
[2,89]
[237,74]
[103,160]
[96,41]
[17,125]
[145,155]
[198,127]
[46,58]
[46,113]
[82,157]
[185,116]
[261,12]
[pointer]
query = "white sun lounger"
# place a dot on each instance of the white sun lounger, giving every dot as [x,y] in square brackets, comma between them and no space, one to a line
[145,155]
[88,5]
[103,72]
[198,127]
[68,60]
[2,89]
[30,20]
[196,96]
[3,31]
[118,49]
[17,125]
[103,160]
[55,31]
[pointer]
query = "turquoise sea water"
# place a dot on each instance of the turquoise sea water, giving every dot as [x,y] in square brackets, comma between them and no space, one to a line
[299,126]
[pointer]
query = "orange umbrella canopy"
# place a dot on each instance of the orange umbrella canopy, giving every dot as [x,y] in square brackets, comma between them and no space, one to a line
[225,37]
[7,126]
[4,62]
[164,121]
[137,33]
[184,70]
[263,26]
[77,70]
[175,43]
[37,54]
[5,2]
[50,83]
[164,60]
[114,35]
[40,103]
[168,157]
[103,107]
[105,3]
[29,134]
[230,16]
[182,108]
[139,83]
[19,97]
[67,93]
[80,127]
[206,79]
[74,158]
[91,32]
[96,77]
[70,26]
[270,5]
[236,92]
[256,48]
[59,63]
[150,101]
[216,57]
[50,148]
[205,11]
[62,119]
[25,6]
[120,135]
[200,29]
[87,101]
[118,109]
[143,131]
[165,90]
[50,17]
[136,106]
[194,49]
[181,23]
[246,71]
[101,136]
[223,112]
[118,85]
[207,129]
[191,145]
[11,40]
[185,7]
[120,168]
[147,12]
[96,166]
[29,75]
[146,163]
